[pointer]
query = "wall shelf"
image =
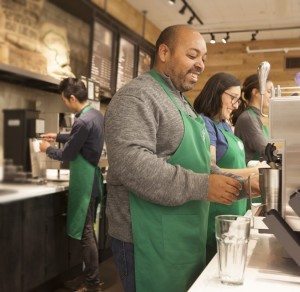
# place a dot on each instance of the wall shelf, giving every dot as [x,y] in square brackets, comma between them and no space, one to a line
[26,78]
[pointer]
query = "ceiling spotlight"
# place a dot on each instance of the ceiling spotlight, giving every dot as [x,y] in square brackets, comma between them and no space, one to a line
[182,10]
[225,39]
[213,40]
[190,21]
[171,2]
[254,35]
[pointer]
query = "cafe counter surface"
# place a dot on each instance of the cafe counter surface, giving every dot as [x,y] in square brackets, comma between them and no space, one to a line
[16,192]
[268,268]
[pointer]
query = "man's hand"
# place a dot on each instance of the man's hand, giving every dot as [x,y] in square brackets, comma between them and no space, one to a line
[49,137]
[251,186]
[223,189]
[44,145]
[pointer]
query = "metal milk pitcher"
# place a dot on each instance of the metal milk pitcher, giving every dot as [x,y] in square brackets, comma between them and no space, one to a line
[270,183]
[270,187]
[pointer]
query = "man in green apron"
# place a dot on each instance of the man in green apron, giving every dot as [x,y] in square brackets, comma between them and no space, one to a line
[159,178]
[82,148]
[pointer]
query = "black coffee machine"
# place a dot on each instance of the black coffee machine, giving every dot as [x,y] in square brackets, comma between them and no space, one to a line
[19,126]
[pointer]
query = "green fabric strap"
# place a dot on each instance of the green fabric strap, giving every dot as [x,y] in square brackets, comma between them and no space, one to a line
[234,157]
[264,128]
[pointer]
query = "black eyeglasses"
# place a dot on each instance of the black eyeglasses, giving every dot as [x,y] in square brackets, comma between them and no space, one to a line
[234,99]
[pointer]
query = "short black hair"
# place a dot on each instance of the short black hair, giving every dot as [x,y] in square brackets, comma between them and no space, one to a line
[209,101]
[73,86]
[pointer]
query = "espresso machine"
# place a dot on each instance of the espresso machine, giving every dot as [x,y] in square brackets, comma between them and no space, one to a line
[21,149]
[284,122]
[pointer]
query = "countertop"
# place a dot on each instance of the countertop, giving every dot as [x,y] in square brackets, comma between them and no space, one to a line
[16,192]
[268,269]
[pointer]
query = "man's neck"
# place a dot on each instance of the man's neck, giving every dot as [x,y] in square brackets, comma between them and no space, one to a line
[81,106]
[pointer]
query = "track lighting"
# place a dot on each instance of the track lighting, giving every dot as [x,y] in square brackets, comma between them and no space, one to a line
[190,21]
[186,6]
[182,10]
[253,32]
[225,39]
[213,40]
[253,38]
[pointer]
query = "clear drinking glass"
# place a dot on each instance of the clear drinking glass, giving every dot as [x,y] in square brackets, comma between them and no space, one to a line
[232,234]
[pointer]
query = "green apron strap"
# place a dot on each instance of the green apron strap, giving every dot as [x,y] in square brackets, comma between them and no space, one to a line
[234,157]
[170,94]
[264,128]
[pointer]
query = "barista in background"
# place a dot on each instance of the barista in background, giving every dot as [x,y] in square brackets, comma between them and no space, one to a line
[220,96]
[82,148]
[250,126]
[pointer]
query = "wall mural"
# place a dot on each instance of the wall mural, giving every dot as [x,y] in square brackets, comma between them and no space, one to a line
[27,43]
[55,48]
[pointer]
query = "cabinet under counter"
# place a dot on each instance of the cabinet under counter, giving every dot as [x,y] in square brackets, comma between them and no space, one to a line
[33,241]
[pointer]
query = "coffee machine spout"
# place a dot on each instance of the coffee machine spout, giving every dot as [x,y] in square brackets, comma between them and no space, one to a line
[263,72]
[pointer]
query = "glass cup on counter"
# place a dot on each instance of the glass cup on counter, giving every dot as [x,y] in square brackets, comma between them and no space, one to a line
[232,235]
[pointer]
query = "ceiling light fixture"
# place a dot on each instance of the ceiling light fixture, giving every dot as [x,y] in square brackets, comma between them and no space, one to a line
[182,10]
[190,21]
[253,38]
[225,39]
[253,32]
[213,40]
[185,7]
[171,2]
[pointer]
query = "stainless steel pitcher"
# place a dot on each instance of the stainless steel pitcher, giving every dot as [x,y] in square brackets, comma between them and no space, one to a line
[270,192]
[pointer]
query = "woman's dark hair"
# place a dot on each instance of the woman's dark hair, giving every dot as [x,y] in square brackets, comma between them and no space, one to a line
[73,86]
[250,83]
[209,101]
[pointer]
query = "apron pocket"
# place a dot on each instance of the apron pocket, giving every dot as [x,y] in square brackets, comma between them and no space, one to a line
[182,239]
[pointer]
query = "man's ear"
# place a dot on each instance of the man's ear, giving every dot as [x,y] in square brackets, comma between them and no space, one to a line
[163,53]
[73,98]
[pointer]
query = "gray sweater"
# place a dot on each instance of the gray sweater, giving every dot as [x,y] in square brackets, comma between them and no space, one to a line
[249,129]
[143,129]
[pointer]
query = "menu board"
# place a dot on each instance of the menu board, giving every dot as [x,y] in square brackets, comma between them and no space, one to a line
[144,62]
[126,63]
[102,58]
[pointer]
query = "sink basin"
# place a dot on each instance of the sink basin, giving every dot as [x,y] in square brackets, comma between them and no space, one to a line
[7,191]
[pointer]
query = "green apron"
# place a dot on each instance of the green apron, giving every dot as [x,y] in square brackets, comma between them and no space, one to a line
[80,188]
[234,157]
[256,156]
[169,242]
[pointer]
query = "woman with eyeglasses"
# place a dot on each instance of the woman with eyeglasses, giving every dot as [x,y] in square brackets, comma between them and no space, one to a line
[250,126]
[219,97]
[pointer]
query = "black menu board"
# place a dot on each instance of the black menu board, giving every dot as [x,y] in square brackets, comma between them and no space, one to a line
[102,58]
[144,62]
[126,63]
